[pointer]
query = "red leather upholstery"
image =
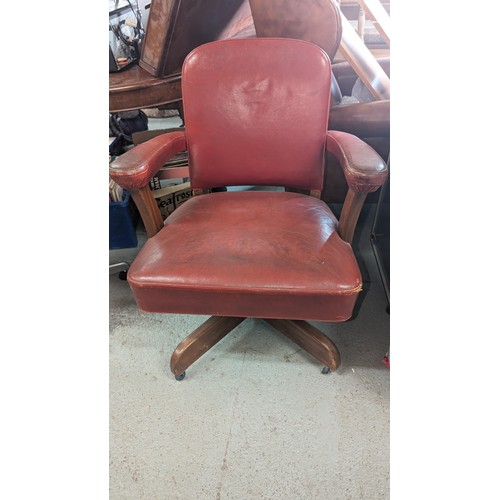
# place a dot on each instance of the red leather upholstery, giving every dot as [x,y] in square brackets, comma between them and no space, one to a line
[135,169]
[252,254]
[364,172]
[278,116]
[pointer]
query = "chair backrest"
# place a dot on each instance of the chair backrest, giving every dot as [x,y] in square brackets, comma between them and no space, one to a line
[256,113]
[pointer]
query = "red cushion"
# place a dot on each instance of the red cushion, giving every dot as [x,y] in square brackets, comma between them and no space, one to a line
[248,253]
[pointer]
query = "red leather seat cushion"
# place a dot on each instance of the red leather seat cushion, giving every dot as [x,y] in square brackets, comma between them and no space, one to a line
[248,253]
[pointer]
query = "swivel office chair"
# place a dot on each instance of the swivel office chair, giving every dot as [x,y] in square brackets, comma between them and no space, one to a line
[256,113]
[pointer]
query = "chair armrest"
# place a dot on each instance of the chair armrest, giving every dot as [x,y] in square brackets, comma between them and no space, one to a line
[363,168]
[364,171]
[135,168]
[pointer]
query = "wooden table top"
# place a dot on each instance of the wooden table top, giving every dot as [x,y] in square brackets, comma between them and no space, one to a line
[135,88]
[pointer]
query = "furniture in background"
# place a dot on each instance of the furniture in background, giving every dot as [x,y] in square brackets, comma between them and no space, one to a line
[135,88]
[317,21]
[256,113]
[174,28]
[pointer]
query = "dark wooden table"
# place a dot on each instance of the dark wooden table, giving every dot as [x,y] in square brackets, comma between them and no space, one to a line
[135,88]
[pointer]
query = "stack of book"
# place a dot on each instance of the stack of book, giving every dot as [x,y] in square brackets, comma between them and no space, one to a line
[174,192]
[115,192]
[179,160]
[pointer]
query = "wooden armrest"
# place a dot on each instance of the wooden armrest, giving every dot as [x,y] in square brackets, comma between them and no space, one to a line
[364,171]
[363,168]
[135,168]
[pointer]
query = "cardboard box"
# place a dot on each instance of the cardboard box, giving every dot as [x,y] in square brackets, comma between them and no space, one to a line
[172,197]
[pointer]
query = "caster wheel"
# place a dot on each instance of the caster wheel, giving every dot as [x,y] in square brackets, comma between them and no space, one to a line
[180,376]
[326,370]
[123,275]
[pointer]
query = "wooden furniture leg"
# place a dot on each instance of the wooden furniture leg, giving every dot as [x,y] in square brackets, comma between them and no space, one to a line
[312,340]
[351,209]
[150,213]
[199,342]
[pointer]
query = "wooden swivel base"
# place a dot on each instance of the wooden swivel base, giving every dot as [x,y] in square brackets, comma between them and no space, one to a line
[312,340]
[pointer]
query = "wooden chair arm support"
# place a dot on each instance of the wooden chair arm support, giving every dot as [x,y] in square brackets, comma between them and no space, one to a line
[363,168]
[364,171]
[134,169]
[148,209]
[349,216]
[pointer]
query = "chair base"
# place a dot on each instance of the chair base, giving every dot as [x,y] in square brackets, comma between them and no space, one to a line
[309,338]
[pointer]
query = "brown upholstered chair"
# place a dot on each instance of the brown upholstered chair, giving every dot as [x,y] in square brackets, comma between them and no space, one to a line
[316,21]
[256,114]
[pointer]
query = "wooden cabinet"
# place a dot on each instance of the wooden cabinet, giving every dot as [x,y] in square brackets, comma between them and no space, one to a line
[175,27]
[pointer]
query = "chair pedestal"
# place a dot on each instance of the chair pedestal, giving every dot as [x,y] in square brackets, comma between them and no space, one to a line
[308,337]
[200,341]
[312,340]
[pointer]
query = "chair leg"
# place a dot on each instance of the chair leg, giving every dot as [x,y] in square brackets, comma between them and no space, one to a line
[312,340]
[200,341]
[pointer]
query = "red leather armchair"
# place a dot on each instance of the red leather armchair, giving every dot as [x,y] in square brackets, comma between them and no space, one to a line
[256,113]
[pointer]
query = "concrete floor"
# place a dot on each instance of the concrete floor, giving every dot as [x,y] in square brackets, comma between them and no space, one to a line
[254,418]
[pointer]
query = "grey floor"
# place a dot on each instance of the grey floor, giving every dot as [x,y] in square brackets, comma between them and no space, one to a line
[254,418]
